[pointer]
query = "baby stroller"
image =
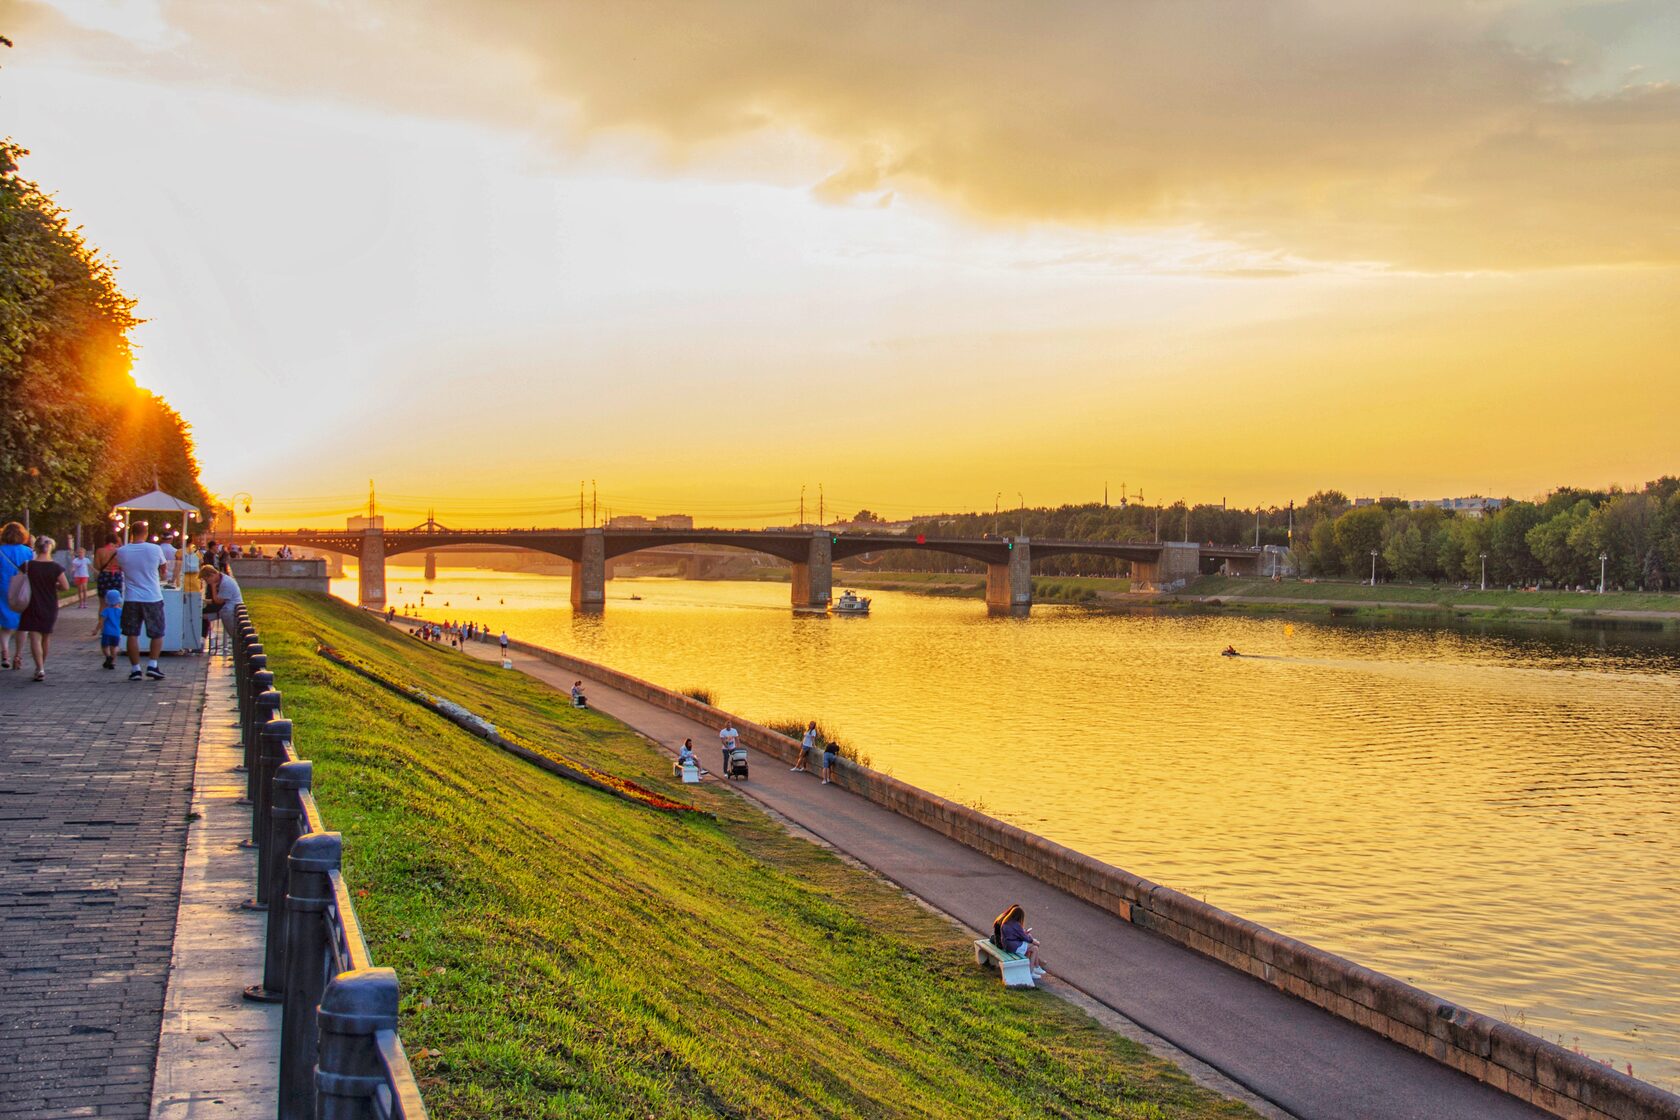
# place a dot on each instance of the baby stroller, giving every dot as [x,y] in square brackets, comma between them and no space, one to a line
[737,767]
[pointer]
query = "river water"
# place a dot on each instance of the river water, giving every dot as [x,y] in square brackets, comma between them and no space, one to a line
[1491,815]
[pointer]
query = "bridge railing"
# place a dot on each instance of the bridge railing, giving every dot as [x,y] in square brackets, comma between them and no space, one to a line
[340,1054]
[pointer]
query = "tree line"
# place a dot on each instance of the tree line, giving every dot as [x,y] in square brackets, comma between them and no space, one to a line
[1554,540]
[76,433]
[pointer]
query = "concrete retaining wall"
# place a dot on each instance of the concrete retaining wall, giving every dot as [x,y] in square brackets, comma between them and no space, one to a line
[288,575]
[1560,1081]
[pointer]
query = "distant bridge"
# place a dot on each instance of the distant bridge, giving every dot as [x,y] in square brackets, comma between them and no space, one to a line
[811,552]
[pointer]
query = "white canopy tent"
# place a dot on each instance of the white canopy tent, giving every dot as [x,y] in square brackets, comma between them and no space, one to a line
[157,502]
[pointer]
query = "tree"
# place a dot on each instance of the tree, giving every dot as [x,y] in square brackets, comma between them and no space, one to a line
[76,433]
[1358,531]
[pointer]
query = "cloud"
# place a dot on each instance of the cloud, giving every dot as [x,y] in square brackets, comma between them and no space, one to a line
[1425,135]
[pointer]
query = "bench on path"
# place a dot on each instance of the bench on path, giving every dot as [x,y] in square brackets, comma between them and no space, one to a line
[1015,968]
[688,771]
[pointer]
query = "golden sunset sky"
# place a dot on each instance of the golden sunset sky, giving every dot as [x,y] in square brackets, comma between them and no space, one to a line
[920,254]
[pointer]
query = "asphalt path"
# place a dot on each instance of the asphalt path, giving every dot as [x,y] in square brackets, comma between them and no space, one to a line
[1288,1052]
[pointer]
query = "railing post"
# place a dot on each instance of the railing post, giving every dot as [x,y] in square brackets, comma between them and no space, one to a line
[355,1006]
[271,752]
[308,896]
[290,780]
[257,681]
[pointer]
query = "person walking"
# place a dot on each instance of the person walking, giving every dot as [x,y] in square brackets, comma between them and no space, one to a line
[143,572]
[81,570]
[504,645]
[728,737]
[109,628]
[46,580]
[807,743]
[107,576]
[15,555]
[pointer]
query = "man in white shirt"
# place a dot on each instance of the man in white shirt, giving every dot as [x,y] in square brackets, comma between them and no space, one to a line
[729,737]
[168,551]
[144,570]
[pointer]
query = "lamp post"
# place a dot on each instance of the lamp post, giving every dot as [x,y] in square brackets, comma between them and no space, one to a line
[1484,571]
[1603,558]
[1373,567]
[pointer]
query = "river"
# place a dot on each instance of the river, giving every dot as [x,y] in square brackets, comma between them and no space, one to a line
[1492,815]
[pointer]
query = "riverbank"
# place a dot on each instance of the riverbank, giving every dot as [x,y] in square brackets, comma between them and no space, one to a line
[1320,598]
[563,952]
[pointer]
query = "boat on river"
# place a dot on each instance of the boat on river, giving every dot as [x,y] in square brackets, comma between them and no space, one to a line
[850,602]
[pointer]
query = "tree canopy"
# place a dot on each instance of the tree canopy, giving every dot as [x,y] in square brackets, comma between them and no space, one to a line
[76,433]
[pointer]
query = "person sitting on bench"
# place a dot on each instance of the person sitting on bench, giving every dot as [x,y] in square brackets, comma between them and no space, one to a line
[579,700]
[685,757]
[1010,934]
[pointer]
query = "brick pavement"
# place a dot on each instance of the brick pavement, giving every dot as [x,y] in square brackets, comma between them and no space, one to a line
[95,780]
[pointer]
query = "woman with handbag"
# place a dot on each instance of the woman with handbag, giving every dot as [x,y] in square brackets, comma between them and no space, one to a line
[14,557]
[46,580]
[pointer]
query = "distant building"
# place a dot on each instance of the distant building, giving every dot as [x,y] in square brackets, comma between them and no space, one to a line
[673,521]
[359,523]
[663,521]
[629,521]
[1361,503]
[1473,506]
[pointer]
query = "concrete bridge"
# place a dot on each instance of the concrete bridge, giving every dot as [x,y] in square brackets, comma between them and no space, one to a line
[811,552]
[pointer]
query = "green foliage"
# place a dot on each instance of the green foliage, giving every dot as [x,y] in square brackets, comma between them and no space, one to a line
[564,954]
[76,433]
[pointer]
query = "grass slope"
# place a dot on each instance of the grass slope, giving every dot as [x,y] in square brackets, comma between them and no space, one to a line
[1426,595]
[565,954]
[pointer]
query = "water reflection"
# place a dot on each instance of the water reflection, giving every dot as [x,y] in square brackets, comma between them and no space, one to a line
[1488,813]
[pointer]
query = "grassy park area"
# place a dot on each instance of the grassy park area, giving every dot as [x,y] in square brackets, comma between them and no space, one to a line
[565,953]
[1425,595]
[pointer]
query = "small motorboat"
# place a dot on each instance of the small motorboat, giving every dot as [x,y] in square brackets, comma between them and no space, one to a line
[635,598]
[850,602]
[1229,651]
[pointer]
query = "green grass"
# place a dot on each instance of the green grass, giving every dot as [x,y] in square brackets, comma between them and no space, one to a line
[1428,595]
[566,954]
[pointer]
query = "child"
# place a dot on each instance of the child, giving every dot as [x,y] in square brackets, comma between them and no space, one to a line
[109,627]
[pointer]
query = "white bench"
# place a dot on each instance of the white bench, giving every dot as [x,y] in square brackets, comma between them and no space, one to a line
[688,771]
[1015,969]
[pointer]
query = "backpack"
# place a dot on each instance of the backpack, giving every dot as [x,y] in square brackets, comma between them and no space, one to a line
[17,590]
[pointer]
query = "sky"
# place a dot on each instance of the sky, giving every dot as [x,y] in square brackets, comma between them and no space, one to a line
[703,256]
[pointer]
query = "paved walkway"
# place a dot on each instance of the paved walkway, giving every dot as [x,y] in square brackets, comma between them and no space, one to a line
[1302,1059]
[95,781]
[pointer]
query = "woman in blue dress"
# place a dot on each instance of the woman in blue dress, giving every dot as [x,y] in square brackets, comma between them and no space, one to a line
[15,555]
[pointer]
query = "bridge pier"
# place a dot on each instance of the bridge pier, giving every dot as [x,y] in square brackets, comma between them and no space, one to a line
[1244,565]
[589,574]
[431,566]
[813,580]
[370,571]
[1176,561]
[1009,584]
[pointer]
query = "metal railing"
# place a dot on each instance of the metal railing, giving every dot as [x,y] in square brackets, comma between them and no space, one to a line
[340,1056]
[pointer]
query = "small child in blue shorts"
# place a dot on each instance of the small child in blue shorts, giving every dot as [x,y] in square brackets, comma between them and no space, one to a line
[109,627]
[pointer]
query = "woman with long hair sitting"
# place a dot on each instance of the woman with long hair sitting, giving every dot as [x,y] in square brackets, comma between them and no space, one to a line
[1010,933]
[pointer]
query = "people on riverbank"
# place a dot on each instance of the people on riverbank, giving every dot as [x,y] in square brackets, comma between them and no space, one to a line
[81,570]
[504,645]
[15,555]
[46,580]
[143,572]
[223,597]
[1011,934]
[685,755]
[831,751]
[109,628]
[807,744]
[579,700]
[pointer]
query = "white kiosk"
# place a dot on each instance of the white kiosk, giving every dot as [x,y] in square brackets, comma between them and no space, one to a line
[182,606]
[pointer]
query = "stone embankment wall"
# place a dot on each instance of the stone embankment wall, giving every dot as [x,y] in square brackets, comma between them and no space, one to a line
[288,575]
[1557,1080]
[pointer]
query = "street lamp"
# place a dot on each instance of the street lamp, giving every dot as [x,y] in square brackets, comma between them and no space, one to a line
[1603,558]
[1373,567]
[1484,571]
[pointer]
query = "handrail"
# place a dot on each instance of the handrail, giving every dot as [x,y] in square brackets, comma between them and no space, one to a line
[340,1054]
